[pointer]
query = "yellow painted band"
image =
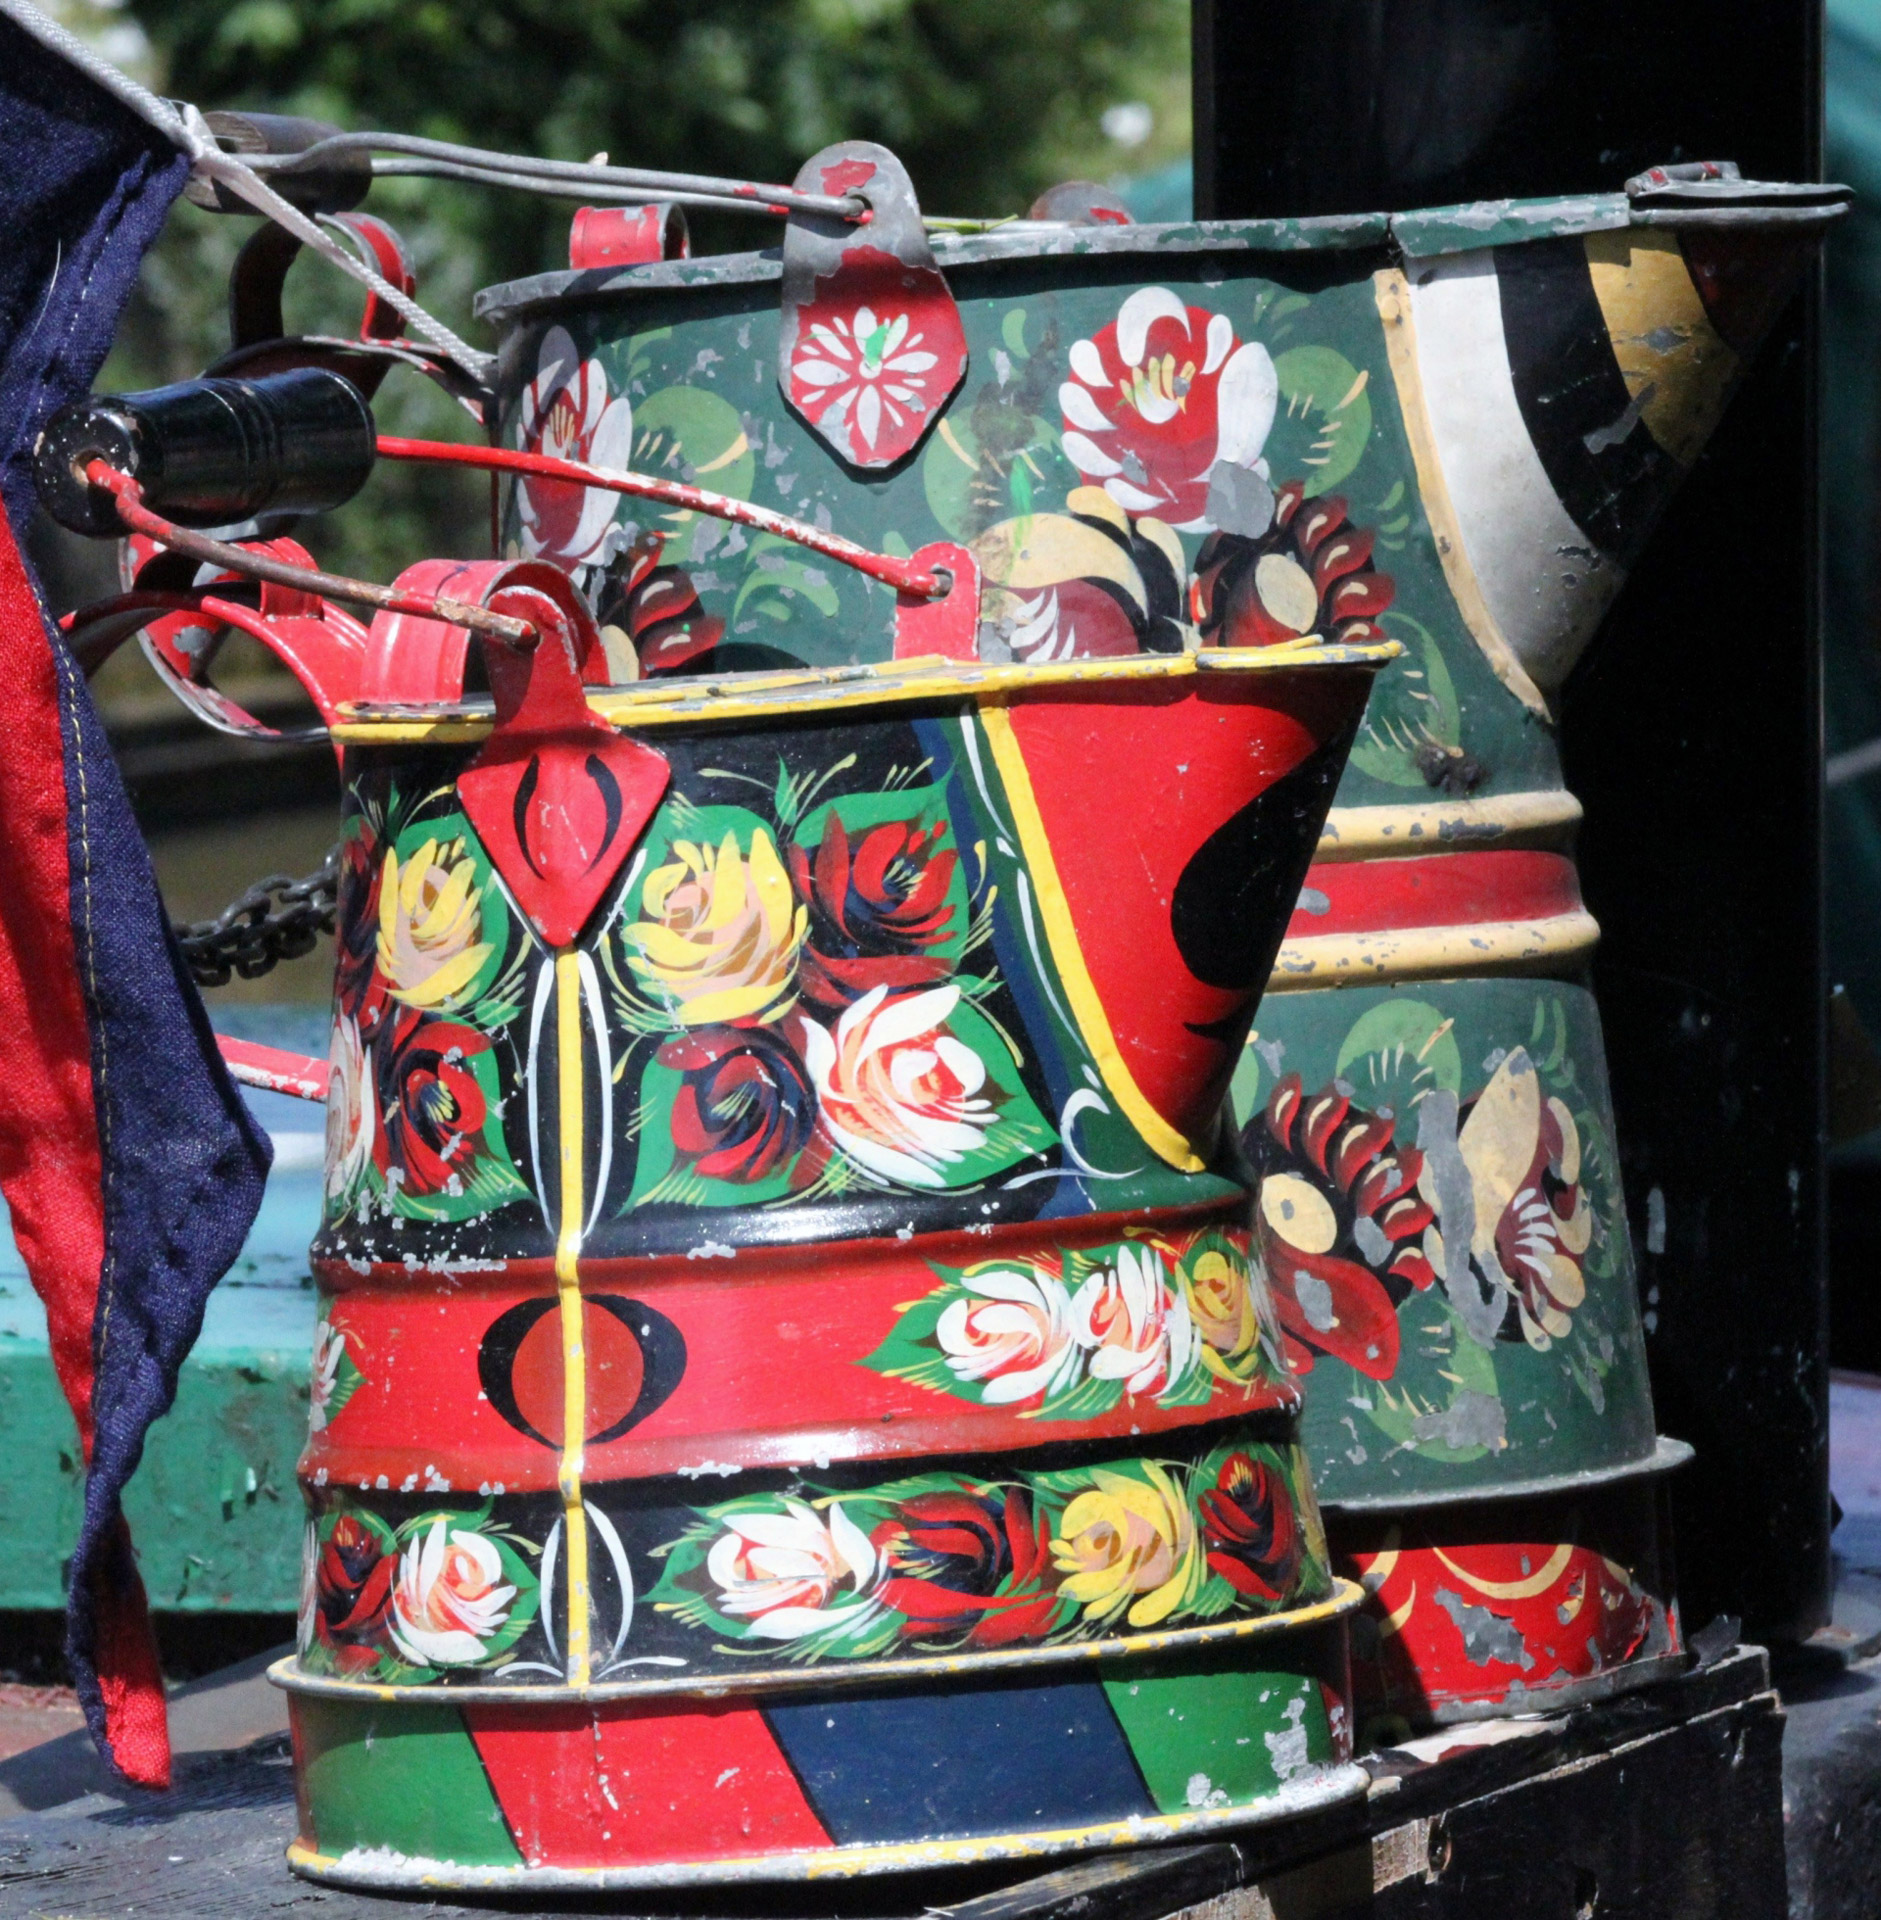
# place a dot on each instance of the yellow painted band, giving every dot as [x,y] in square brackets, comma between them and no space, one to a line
[1061,936]
[1558,943]
[1676,367]
[1536,1583]
[1393,295]
[1545,818]
[568,1293]
[665,703]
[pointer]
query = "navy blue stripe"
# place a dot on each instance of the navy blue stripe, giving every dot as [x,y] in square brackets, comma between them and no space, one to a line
[960,1761]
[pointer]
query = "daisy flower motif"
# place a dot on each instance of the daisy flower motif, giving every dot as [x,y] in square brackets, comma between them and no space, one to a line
[865,371]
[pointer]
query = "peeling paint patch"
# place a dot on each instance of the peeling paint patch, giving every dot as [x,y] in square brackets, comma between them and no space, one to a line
[1486,1636]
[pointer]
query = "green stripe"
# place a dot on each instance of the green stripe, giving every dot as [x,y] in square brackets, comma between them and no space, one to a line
[398,1776]
[1221,1739]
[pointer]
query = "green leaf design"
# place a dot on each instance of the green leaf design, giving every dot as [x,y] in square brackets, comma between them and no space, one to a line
[1413,705]
[694,435]
[1019,1129]
[1395,1053]
[779,573]
[1325,417]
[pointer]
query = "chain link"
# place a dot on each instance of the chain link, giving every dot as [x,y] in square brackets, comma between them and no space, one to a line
[252,935]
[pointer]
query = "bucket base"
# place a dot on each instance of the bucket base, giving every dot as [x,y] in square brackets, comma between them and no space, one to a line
[815,1778]
[382,1870]
[1498,1607]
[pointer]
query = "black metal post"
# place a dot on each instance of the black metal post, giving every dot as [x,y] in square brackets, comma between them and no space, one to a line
[1692,733]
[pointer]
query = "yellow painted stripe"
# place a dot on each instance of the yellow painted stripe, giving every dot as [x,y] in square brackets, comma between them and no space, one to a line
[1062,937]
[1544,818]
[568,1292]
[665,703]
[1676,367]
[1393,295]
[1557,945]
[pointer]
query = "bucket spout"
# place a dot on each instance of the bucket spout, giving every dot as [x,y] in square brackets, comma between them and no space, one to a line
[1559,384]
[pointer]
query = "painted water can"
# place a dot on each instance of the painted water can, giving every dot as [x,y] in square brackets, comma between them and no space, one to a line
[1454,428]
[794,1392]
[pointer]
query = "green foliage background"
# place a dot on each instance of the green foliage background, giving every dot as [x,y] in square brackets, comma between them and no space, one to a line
[987,101]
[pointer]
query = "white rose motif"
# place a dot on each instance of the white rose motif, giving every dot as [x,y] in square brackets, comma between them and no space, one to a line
[1134,1328]
[782,1570]
[568,414]
[897,1092]
[1016,1335]
[449,1598]
[352,1118]
[329,1347]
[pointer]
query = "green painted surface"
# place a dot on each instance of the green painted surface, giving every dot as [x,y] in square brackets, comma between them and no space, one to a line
[696,368]
[404,1777]
[1221,1739]
[1461,1411]
[214,1510]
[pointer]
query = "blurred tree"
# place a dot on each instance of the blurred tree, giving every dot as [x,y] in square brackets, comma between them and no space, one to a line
[984,100]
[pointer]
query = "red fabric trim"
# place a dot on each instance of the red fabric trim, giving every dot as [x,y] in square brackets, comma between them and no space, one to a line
[50,1167]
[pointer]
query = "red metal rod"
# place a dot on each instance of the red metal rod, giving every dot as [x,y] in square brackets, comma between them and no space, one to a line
[917,583]
[334,586]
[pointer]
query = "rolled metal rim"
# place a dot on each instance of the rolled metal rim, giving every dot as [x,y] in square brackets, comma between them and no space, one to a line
[1419,232]
[1545,1702]
[814,692]
[1666,1456]
[1346,1598]
[377,1869]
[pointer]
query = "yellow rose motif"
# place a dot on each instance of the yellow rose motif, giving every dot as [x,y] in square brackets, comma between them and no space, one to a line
[1221,1304]
[1131,1543]
[722,933]
[429,921]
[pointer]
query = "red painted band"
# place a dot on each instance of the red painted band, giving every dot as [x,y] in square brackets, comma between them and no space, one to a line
[1441,890]
[772,1341]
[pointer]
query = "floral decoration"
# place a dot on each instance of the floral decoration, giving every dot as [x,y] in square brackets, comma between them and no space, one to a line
[1309,572]
[1086,584]
[942,1562]
[901,1095]
[863,370]
[1165,407]
[414,1118]
[1341,1224]
[653,609]
[800,981]
[568,413]
[407,1604]
[1532,1224]
[335,1378]
[1068,1337]
[430,945]
[882,909]
[1350,1223]
[721,933]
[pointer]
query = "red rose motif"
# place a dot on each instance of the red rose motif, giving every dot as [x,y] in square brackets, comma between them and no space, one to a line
[433,1108]
[876,906]
[1159,399]
[1251,1530]
[358,985]
[1310,572]
[1341,1224]
[352,1591]
[745,1108]
[949,1556]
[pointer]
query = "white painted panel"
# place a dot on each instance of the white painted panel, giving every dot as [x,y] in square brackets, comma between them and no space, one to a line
[1540,576]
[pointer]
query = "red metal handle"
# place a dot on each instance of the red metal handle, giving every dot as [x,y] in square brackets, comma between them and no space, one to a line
[335,586]
[907,577]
